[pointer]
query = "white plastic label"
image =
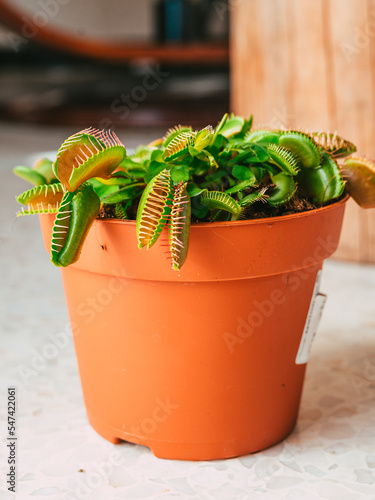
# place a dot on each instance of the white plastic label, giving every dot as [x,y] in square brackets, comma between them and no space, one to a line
[312,322]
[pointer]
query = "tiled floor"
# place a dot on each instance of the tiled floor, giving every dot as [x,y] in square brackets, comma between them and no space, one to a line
[330,455]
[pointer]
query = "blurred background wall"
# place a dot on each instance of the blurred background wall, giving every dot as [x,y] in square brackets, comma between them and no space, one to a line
[114,63]
[109,19]
[311,64]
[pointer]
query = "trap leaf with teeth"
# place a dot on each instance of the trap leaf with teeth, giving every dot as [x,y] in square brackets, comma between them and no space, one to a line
[217,200]
[253,197]
[303,146]
[89,153]
[77,212]
[179,226]
[178,147]
[324,183]
[41,199]
[359,174]
[174,132]
[154,209]
[203,138]
[120,211]
[336,146]
[284,189]
[283,158]
[262,136]
[241,186]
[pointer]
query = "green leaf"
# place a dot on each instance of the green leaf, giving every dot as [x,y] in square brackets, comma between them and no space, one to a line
[193,190]
[258,172]
[252,154]
[123,193]
[215,179]
[154,168]
[157,155]
[30,175]
[231,126]
[180,173]
[118,179]
[44,167]
[198,210]
[136,173]
[261,153]
[128,164]
[242,173]
[102,189]
[241,186]
[217,138]
[193,151]
[211,159]
[77,212]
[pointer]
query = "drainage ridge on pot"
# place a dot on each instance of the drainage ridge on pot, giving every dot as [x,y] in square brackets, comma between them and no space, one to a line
[197,364]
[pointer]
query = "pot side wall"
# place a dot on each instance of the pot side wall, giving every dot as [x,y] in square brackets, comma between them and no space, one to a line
[198,369]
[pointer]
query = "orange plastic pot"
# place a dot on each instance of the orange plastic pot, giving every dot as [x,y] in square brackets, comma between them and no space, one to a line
[198,364]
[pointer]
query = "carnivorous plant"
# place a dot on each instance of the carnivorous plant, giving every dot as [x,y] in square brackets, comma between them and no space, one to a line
[213,174]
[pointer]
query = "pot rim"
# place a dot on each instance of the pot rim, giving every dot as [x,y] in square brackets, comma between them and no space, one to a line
[218,251]
[264,220]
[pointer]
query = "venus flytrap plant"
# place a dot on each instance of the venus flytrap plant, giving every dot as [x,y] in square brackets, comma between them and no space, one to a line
[219,174]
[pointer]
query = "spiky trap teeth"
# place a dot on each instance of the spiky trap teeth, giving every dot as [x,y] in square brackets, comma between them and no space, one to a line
[179,226]
[89,153]
[334,144]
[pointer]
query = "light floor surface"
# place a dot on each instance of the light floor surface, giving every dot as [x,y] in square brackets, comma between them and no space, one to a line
[330,454]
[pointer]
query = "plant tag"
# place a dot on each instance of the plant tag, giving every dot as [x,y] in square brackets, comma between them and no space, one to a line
[312,322]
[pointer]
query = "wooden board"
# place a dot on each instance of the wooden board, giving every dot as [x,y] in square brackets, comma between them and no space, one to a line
[310,64]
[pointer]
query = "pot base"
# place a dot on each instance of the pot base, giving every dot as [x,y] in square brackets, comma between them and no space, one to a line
[196,451]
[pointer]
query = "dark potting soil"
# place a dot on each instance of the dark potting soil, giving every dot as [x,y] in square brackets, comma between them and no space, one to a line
[258,210]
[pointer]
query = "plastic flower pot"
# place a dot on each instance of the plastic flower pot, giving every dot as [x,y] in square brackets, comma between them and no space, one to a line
[198,364]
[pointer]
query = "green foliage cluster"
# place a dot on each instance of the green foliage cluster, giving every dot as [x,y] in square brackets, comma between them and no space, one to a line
[213,174]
